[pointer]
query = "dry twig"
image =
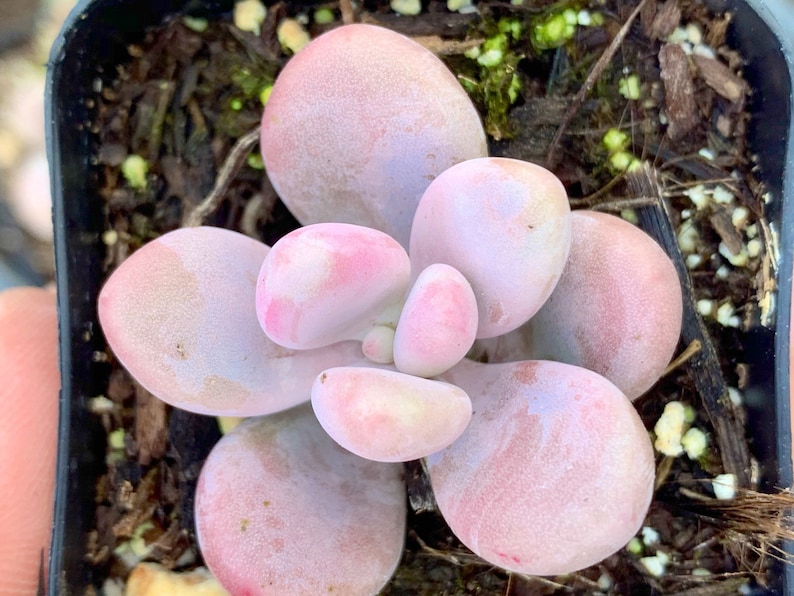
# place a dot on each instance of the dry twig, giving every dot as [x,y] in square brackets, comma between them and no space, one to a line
[231,166]
[705,365]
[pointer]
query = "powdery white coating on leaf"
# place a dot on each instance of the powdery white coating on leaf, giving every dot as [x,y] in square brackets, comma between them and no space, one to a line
[324,283]
[438,323]
[358,124]
[180,316]
[505,225]
[282,509]
[554,472]
[389,416]
[617,309]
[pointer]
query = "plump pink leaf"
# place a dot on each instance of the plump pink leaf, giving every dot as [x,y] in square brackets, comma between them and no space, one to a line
[438,323]
[358,124]
[378,344]
[554,473]
[324,283]
[617,309]
[386,415]
[282,509]
[180,316]
[505,225]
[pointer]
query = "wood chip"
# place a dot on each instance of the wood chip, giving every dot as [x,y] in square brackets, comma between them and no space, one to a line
[647,15]
[453,24]
[120,386]
[446,47]
[535,123]
[151,426]
[721,220]
[679,92]
[667,18]
[720,78]
[718,30]
[140,505]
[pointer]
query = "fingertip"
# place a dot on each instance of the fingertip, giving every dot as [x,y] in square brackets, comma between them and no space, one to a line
[28,434]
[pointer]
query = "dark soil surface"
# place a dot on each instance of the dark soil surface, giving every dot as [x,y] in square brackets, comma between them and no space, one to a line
[186,96]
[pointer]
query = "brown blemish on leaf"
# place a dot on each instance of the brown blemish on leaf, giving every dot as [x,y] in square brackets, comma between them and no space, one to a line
[525,373]
[495,313]
[219,389]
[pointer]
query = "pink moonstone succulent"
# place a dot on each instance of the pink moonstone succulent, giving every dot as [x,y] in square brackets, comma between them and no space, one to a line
[282,509]
[179,314]
[358,124]
[539,467]
[325,283]
[505,225]
[554,473]
[616,310]
[389,416]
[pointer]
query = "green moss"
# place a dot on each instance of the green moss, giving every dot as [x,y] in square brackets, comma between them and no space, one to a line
[324,16]
[620,158]
[195,24]
[557,25]
[135,168]
[635,546]
[255,161]
[245,82]
[552,32]
[491,78]
[264,95]
[615,140]
[629,87]
[250,82]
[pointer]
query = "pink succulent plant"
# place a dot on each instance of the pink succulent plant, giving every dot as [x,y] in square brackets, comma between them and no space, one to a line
[539,467]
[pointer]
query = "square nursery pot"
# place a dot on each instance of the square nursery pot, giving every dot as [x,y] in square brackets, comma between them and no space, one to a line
[95,38]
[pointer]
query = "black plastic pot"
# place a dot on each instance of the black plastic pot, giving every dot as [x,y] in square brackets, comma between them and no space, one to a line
[95,38]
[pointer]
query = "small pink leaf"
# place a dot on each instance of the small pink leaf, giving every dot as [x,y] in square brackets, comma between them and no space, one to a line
[389,416]
[324,283]
[378,344]
[438,323]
